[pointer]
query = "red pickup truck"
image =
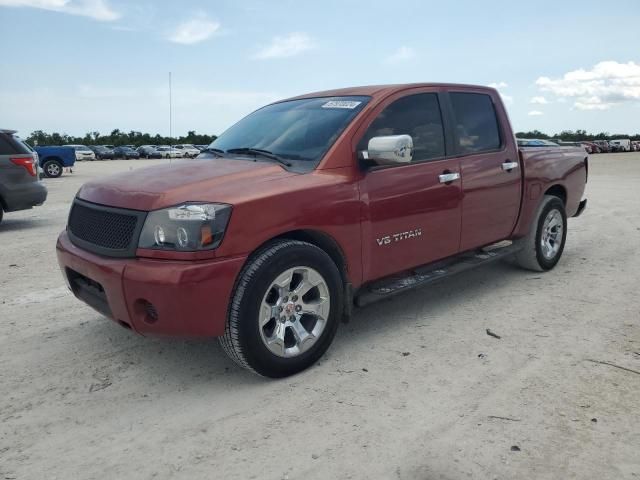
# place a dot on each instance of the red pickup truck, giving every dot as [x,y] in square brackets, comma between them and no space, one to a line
[313,205]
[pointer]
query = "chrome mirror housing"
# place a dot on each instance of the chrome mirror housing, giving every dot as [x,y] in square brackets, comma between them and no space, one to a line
[390,150]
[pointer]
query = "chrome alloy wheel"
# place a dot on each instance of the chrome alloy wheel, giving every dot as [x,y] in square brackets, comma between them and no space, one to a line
[294,311]
[53,169]
[552,231]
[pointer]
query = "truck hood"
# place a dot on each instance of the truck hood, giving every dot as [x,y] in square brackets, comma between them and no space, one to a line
[206,180]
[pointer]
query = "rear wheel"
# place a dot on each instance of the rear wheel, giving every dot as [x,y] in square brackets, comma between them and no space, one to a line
[52,169]
[285,309]
[543,246]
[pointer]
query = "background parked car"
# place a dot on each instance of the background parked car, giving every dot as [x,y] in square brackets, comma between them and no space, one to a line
[149,151]
[591,147]
[125,152]
[169,152]
[188,151]
[603,145]
[534,142]
[20,187]
[101,152]
[201,147]
[82,152]
[636,146]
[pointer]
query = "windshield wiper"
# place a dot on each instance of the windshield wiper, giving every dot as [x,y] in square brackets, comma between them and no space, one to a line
[262,153]
[216,151]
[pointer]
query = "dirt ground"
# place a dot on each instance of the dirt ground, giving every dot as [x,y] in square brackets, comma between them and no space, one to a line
[412,388]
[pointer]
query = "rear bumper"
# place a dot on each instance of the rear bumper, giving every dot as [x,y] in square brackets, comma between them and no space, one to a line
[581,208]
[24,196]
[153,297]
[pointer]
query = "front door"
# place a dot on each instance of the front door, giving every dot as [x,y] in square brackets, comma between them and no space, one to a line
[411,213]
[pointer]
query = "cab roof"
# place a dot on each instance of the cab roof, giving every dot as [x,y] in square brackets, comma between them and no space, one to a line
[382,90]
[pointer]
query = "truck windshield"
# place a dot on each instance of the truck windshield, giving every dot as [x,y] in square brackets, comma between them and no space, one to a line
[298,130]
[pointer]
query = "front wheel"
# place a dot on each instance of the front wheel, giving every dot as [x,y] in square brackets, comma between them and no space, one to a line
[285,309]
[543,246]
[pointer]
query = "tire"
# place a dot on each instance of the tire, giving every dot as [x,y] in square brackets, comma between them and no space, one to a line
[1,213]
[536,254]
[52,169]
[270,346]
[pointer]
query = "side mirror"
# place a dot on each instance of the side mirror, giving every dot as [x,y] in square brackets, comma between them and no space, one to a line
[390,150]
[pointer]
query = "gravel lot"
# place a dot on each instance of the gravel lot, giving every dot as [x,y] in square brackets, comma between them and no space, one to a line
[412,388]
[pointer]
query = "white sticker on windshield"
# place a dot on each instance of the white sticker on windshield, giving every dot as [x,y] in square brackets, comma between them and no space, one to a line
[341,104]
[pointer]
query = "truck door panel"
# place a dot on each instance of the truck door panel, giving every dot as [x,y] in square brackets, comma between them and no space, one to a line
[410,218]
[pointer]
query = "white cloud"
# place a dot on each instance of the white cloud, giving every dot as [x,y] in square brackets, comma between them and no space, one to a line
[402,54]
[535,113]
[539,101]
[508,99]
[287,46]
[194,30]
[605,85]
[96,9]
[592,103]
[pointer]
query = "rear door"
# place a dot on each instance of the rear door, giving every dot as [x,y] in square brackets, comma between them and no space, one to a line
[489,167]
[410,216]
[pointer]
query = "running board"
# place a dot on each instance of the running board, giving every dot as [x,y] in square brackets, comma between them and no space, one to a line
[421,276]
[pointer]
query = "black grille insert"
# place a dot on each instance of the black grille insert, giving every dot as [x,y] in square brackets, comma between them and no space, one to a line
[105,230]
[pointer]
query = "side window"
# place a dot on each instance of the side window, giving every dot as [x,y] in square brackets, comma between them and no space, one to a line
[415,115]
[6,146]
[475,122]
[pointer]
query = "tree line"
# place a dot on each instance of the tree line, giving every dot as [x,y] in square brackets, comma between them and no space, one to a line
[577,136]
[116,137]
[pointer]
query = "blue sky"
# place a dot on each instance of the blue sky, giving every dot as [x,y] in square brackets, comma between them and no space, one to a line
[82,65]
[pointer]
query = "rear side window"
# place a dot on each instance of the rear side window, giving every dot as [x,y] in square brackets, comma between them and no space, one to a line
[475,123]
[10,145]
[415,115]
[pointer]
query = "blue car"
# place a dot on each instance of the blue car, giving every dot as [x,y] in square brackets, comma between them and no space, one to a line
[53,160]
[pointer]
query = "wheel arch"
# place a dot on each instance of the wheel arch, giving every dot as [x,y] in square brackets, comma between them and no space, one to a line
[321,240]
[52,158]
[557,190]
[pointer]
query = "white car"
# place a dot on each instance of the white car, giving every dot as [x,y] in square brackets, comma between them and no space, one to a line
[189,150]
[170,152]
[82,152]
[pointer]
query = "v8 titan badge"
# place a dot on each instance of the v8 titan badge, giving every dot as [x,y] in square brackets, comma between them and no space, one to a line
[397,237]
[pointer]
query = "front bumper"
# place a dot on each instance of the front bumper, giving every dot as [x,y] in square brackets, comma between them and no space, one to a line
[153,297]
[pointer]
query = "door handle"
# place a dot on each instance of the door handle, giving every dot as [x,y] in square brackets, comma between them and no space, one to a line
[449,177]
[508,166]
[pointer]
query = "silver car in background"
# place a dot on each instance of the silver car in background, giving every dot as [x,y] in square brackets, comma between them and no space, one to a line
[82,152]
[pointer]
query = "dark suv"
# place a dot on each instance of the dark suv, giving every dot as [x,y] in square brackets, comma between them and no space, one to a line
[20,187]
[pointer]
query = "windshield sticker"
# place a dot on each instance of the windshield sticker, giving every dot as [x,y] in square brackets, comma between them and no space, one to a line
[341,104]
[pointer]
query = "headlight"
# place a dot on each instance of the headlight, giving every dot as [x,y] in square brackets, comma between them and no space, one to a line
[188,227]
